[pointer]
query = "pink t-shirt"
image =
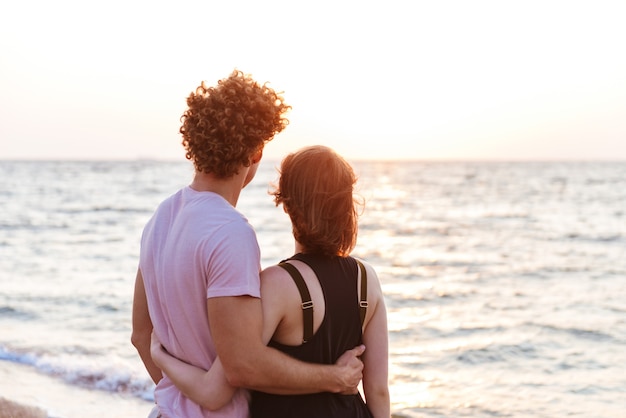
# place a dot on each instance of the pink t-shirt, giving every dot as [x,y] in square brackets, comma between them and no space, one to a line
[196,246]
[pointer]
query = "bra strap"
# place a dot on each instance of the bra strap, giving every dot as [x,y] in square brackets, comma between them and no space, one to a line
[307,303]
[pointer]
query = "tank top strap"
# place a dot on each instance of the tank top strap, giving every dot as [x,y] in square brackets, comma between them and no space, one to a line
[363,299]
[307,302]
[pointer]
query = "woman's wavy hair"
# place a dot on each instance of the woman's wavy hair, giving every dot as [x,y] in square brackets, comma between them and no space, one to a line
[316,190]
[225,125]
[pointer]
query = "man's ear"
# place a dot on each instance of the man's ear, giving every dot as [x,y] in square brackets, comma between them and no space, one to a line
[256,157]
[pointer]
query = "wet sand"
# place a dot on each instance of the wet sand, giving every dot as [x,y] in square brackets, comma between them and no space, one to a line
[24,390]
[10,409]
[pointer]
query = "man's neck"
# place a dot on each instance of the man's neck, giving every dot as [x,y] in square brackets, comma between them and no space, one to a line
[229,188]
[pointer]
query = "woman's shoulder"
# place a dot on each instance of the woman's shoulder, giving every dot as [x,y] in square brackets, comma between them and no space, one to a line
[370,270]
[275,276]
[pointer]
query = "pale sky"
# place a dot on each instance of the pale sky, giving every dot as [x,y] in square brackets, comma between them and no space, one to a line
[373,79]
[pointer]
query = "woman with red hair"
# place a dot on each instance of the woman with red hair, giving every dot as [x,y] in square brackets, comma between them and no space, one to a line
[318,303]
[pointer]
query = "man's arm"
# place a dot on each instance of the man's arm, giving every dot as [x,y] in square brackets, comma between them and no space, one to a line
[142,329]
[210,389]
[237,325]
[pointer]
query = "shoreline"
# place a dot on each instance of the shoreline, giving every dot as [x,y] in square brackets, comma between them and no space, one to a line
[26,393]
[24,390]
[10,409]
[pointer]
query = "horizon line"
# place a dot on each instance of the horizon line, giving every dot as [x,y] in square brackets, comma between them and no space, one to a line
[354,159]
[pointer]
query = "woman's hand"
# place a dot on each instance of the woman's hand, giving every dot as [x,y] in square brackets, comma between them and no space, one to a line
[156,350]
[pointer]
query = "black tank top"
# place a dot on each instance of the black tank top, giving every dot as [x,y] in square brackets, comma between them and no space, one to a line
[339,331]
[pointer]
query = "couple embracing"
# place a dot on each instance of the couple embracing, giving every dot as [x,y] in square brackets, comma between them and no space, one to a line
[220,337]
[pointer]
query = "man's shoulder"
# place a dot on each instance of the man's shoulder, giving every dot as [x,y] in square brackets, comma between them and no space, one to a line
[236,226]
[170,201]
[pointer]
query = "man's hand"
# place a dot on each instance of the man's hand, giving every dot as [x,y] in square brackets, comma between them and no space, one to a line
[351,370]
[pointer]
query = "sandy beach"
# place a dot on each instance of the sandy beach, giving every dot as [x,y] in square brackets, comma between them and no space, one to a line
[10,409]
[26,393]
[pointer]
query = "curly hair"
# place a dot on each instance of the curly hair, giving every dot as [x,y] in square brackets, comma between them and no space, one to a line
[225,125]
[316,190]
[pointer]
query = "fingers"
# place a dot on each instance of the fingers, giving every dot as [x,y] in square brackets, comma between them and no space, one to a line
[359,350]
[351,369]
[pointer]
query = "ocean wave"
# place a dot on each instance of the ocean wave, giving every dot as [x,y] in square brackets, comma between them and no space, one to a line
[578,364]
[11,312]
[398,299]
[587,334]
[507,215]
[33,226]
[574,236]
[89,373]
[495,353]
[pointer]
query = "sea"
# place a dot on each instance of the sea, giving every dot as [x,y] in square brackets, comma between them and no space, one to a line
[505,282]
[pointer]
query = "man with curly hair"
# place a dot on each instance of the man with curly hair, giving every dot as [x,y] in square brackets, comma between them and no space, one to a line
[197,285]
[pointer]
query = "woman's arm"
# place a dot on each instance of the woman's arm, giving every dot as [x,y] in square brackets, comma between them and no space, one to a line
[376,357]
[209,389]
